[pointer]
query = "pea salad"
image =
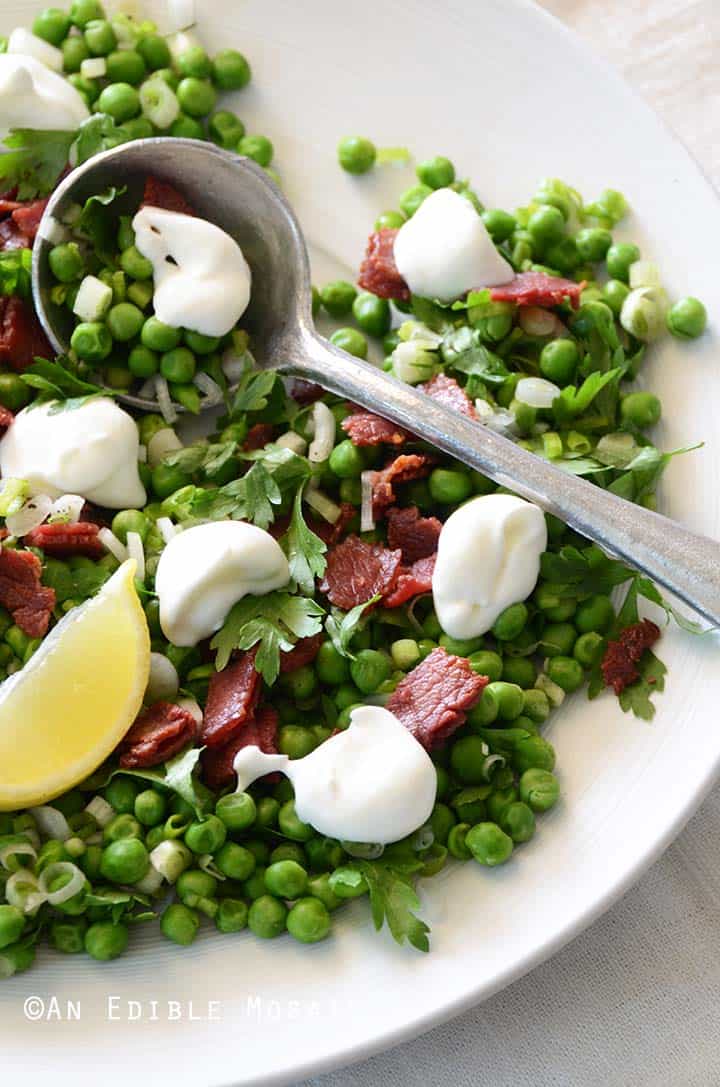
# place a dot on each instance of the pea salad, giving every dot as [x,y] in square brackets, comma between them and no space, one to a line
[297,598]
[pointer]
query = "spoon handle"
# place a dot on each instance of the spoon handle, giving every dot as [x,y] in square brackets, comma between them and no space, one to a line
[685,563]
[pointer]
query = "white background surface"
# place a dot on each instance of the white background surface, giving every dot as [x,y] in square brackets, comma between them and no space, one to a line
[635,1000]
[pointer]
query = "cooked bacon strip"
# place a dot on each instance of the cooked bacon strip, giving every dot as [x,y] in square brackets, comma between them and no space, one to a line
[232,697]
[378,271]
[404,469]
[446,391]
[538,289]
[412,581]
[619,664]
[301,654]
[258,437]
[161,194]
[21,337]
[357,571]
[217,762]
[416,536]
[21,592]
[364,428]
[6,418]
[161,731]
[80,538]
[27,217]
[432,700]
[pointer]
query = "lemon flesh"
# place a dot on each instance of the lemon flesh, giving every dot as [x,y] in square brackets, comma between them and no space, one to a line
[67,709]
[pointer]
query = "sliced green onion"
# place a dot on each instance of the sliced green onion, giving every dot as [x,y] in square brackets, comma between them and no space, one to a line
[577,442]
[12,496]
[616,450]
[51,822]
[170,858]
[322,504]
[73,885]
[644,273]
[23,890]
[93,299]
[643,313]
[552,445]
[158,102]
[412,362]
[555,694]
[18,848]
[102,812]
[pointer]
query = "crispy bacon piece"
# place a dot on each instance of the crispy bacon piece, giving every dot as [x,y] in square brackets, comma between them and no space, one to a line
[63,540]
[217,762]
[619,664]
[416,536]
[232,697]
[161,194]
[21,337]
[301,654]
[29,602]
[6,418]
[357,571]
[538,289]
[378,271]
[8,203]
[306,392]
[403,469]
[432,700]
[258,437]
[161,731]
[27,217]
[364,428]
[446,391]
[412,580]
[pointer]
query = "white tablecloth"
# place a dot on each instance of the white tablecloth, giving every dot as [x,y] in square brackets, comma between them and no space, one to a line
[635,1000]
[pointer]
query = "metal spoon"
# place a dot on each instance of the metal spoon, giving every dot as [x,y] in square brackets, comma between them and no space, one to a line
[237,195]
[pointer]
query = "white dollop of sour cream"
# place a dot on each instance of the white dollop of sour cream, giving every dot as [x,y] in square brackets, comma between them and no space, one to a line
[206,569]
[488,558]
[371,783]
[202,280]
[91,450]
[32,96]
[445,250]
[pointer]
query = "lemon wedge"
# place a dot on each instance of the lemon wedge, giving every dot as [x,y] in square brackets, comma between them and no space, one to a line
[77,696]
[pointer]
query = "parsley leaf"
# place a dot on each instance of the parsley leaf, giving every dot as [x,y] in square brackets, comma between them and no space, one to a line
[273,622]
[178,775]
[98,225]
[429,313]
[57,381]
[577,574]
[341,626]
[573,402]
[34,161]
[96,134]
[253,391]
[15,266]
[305,550]
[464,351]
[637,696]
[208,457]
[393,900]
[275,473]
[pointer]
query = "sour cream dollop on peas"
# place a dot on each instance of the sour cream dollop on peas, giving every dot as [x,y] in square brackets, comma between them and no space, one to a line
[371,783]
[488,558]
[445,250]
[33,96]
[204,570]
[202,280]
[90,450]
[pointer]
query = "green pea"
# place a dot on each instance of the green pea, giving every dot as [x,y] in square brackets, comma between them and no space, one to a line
[499,224]
[460,647]
[405,653]
[122,826]
[449,486]
[193,885]
[52,25]
[14,393]
[180,924]
[142,362]
[120,100]
[510,699]
[225,129]
[614,294]
[124,321]
[126,66]
[589,648]
[595,614]
[150,807]
[121,793]
[194,61]
[106,940]
[412,198]
[338,297]
[510,622]
[369,669]
[332,668]
[308,921]
[534,752]
[488,844]
[291,825]
[158,336]
[138,128]
[323,853]
[563,255]
[205,836]
[166,480]
[237,811]
[154,50]
[559,360]
[134,264]
[487,709]
[232,915]
[286,879]
[687,318]
[125,861]
[518,821]
[197,97]
[66,262]
[442,819]
[593,243]
[356,154]
[372,313]
[619,258]
[230,70]
[348,883]
[178,365]
[457,842]
[74,51]
[268,810]
[487,663]
[536,705]
[539,789]
[389,220]
[437,172]
[68,935]
[558,639]
[267,917]
[12,923]
[350,340]
[83,12]
[258,148]
[100,37]
[640,409]
[234,861]
[546,225]
[319,887]
[519,670]
[467,760]
[187,128]
[566,672]
[296,741]
[255,886]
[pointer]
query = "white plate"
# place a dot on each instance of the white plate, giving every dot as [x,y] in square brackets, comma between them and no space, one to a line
[510,96]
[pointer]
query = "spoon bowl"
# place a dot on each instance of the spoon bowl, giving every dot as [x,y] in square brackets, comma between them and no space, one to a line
[237,195]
